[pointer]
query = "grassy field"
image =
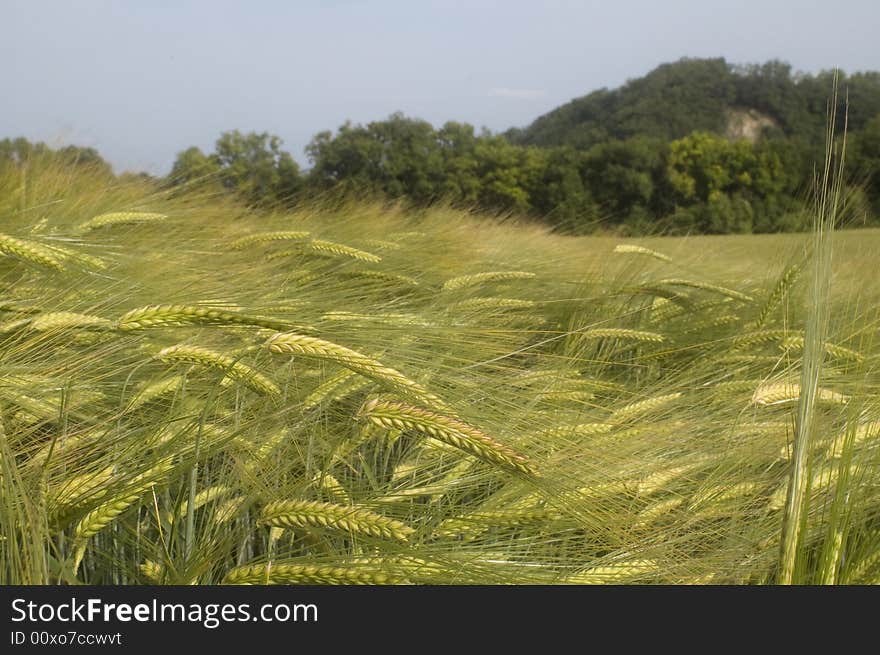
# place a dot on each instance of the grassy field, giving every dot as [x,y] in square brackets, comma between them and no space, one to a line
[192,392]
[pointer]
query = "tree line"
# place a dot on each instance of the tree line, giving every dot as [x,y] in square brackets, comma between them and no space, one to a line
[700,183]
[653,155]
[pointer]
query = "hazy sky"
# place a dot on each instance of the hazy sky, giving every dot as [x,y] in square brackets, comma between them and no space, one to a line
[141,81]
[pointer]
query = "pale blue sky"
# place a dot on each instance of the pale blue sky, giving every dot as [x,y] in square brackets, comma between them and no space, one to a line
[141,81]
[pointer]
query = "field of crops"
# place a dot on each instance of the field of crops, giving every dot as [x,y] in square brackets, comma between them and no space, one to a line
[195,393]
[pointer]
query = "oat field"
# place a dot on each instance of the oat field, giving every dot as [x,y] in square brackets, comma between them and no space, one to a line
[192,392]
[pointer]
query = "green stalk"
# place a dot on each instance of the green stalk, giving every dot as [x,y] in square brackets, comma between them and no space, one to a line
[827,207]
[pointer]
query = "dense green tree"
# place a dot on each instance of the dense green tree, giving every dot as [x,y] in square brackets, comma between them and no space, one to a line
[460,181]
[193,166]
[253,165]
[723,186]
[560,195]
[19,151]
[624,175]
[86,157]
[399,156]
[703,167]
[506,173]
[864,161]
[352,156]
[411,162]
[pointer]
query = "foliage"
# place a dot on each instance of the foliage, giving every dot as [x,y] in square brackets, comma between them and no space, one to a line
[654,152]
[253,165]
[865,161]
[690,95]
[21,152]
[695,145]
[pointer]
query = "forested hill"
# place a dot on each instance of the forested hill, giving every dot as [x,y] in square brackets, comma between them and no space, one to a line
[678,98]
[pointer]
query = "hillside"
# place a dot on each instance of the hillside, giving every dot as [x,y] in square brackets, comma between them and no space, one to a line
[678,98]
